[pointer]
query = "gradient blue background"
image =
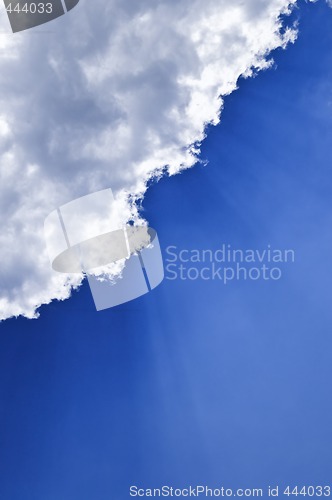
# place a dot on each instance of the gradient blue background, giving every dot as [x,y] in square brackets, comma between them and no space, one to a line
[197,382]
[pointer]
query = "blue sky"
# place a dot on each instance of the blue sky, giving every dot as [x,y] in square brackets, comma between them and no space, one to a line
[197,382]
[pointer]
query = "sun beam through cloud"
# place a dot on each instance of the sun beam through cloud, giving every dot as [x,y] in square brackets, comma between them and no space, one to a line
[115,94]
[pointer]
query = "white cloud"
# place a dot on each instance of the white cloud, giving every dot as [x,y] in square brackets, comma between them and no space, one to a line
[114,93]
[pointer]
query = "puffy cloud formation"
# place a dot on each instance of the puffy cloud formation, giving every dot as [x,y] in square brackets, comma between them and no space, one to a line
[110,95]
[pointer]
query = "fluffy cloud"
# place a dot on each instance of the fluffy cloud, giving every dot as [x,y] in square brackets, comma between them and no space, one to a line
[107,96]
